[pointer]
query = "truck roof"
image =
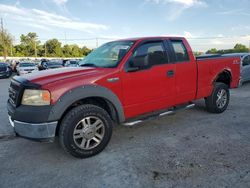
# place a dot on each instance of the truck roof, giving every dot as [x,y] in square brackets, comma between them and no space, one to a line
[150,38]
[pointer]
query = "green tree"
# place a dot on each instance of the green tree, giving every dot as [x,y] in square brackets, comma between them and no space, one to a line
[30,46]
[212,51]
[31,43]
[6,43]
[85,50]
[41,51]
[197,53]
[66,50]
[19,50]
[227,51]
[53,48]
[76,51]
[240,48]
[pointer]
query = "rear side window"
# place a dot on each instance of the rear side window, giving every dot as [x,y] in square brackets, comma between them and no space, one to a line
[180,51]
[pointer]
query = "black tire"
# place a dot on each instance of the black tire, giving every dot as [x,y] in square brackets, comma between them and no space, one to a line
[72,120]
[211,104]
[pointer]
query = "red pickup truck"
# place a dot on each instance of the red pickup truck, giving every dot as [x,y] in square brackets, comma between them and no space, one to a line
[121,82]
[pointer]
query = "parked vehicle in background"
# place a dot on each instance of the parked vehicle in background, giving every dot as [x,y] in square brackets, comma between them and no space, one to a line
[244,66]
[126,81]
[26,67]
[64,62]
[5,70]
[71,63]
[41,64]
[51,65]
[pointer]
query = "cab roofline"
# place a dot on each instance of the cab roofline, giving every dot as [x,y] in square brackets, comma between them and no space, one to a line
[150,38]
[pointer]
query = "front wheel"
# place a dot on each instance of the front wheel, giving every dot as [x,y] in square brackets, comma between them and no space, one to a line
[218,101]
[85,131]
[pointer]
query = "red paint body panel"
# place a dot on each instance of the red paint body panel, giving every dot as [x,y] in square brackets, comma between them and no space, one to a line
[144,91]
[209,69]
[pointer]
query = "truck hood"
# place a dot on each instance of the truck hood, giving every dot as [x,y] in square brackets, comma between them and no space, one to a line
[54,75]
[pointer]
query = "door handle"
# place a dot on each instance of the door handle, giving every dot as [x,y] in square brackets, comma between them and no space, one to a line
[116,79]
[170,73]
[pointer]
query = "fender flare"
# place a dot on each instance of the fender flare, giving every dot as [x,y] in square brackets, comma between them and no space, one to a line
[79,93]
[225,70]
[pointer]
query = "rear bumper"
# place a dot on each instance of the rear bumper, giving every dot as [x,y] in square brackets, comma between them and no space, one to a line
[35,131]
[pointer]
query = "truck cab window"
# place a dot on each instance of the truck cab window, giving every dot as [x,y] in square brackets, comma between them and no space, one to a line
[148,55]
[180,51]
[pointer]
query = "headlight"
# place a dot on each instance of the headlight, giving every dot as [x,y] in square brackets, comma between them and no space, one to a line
[36,97]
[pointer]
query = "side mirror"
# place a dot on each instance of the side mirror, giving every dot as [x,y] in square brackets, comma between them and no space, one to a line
[137,63]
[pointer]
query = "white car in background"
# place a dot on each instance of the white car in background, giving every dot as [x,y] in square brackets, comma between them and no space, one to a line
[71,63]
[26,67]
[244,66]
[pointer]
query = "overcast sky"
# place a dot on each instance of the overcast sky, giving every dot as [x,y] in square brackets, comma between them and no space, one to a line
[223,22]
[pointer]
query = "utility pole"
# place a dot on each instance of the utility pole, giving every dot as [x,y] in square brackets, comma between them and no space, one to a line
[3,40]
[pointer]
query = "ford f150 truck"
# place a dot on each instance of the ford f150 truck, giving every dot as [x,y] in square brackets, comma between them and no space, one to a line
[121,82]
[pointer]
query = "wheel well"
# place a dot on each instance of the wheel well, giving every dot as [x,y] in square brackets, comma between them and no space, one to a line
[98,101]
[224,77]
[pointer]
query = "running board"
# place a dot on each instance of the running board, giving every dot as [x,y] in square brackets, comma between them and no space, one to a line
[154,116]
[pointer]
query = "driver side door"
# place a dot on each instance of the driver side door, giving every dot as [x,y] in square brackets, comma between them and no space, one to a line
[144,86]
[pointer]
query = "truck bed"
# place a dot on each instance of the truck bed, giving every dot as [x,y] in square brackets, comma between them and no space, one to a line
[210,66]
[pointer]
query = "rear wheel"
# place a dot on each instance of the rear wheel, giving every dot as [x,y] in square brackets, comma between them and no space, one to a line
[218,101]
[85,131]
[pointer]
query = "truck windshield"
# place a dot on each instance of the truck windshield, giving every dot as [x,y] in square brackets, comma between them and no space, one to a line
[107,55]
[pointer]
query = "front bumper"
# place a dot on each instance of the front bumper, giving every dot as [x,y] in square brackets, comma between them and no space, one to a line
[35,131]
[32,122]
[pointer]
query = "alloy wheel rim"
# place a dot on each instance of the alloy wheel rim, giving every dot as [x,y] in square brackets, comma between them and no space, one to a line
[221,98]
[89,132]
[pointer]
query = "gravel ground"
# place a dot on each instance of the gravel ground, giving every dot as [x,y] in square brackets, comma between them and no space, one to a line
[192,148]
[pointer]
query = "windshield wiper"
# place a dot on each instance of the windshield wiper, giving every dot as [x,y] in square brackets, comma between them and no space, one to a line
[88,65]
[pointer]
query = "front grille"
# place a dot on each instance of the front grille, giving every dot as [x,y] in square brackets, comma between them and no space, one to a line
[15,91]
[3,69]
